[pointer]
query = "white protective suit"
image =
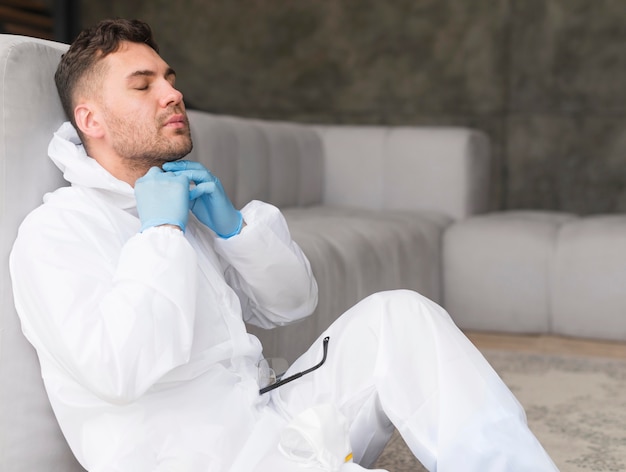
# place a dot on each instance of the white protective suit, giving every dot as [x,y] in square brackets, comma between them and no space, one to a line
[148,365]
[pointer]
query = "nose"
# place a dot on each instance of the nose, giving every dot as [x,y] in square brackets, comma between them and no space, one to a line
[171,95]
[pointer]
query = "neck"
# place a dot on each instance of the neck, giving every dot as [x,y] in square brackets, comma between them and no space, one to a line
[126,173]
[123,169]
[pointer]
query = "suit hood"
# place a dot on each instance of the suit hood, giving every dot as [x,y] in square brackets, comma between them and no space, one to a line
[68,153]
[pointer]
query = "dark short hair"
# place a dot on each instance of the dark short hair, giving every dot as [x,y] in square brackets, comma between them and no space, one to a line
[90,46]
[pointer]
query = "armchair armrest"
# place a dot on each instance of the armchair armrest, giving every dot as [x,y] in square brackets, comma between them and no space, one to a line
[442,169]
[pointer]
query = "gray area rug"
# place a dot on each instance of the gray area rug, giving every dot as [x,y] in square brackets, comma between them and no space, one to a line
[576,406]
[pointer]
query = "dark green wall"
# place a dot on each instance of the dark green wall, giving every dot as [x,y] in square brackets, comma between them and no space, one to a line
[545,78]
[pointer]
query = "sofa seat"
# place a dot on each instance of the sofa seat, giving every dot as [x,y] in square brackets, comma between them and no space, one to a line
[589,278]
[538,272]
[356,252]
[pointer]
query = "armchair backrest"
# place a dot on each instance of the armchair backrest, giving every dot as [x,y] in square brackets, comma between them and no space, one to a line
[30,111]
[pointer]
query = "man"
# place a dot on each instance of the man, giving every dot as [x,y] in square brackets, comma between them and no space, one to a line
[134,283]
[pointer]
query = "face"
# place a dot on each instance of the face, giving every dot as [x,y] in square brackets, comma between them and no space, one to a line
[142,112]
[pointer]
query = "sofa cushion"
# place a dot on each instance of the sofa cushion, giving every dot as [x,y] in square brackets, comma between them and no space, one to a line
[354,253]
[497,270]
[442,169]
[589,278]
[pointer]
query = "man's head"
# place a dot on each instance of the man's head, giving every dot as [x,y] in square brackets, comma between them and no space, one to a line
[80,69]
[121,97]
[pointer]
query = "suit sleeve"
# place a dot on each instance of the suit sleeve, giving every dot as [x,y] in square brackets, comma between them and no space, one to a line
[117,315]
[268,270]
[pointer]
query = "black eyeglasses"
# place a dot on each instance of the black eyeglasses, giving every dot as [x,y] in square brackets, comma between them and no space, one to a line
[299,374]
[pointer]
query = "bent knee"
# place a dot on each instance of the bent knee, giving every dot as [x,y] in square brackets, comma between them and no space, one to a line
[400,304]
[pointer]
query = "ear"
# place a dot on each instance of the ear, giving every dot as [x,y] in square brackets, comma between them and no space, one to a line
[87,120]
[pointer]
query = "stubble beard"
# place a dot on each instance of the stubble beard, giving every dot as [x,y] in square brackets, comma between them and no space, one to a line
[143,147]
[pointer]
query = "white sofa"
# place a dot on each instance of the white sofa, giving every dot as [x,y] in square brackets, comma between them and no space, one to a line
[368,205]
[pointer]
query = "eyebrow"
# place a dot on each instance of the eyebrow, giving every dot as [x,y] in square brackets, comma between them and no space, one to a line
[150,73]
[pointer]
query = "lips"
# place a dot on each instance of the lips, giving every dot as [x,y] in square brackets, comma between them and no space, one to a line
[177,121]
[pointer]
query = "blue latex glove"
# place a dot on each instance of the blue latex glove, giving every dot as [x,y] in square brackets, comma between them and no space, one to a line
[209,201]
[162,198]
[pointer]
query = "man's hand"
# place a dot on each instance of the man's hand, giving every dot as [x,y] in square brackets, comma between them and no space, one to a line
[162,199]
[209,201]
